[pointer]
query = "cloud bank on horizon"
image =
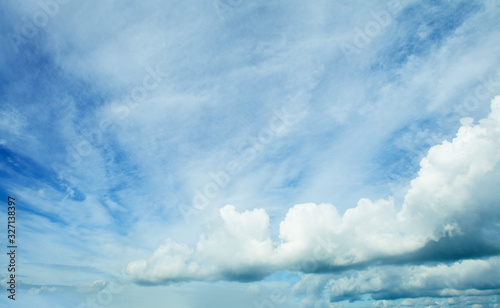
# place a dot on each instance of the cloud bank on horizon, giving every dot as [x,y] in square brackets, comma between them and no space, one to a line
[451,206]
[252,153]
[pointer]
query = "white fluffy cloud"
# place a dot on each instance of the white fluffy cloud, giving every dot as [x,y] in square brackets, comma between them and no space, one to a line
[456,179]
[240,247]
[454,194]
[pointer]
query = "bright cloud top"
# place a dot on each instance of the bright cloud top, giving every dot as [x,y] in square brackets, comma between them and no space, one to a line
[449,199]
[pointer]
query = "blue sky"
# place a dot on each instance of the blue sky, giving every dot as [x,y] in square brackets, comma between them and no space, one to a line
[237,153]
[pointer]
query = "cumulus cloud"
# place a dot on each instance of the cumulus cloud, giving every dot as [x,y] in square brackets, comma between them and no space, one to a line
[454,197]
[240,247]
